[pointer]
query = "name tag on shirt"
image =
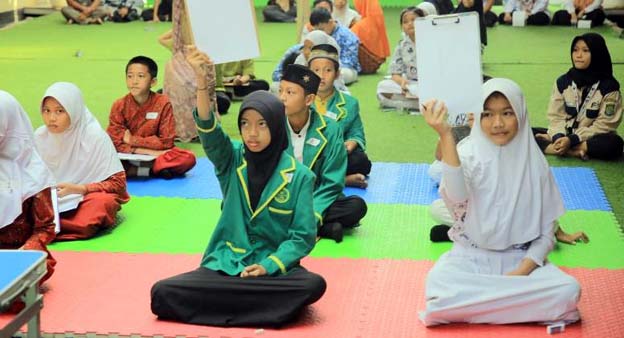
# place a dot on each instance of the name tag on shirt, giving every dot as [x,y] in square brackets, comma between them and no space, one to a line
[314,142]
[151,116]
[331,115]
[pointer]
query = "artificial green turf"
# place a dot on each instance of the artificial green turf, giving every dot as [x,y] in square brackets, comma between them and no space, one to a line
[156,225]
[36,53]
[174,225]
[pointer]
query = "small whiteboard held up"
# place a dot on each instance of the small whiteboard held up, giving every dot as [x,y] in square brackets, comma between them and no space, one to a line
[225,30]
[448,54]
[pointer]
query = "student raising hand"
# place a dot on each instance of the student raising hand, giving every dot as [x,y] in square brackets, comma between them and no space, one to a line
[435,116]
[198,60]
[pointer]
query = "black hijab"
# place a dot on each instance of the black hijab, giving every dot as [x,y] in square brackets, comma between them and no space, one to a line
[261,165]
[600,67]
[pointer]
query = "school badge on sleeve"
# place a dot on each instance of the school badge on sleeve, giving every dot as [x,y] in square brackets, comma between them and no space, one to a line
[282,196]
[610,109]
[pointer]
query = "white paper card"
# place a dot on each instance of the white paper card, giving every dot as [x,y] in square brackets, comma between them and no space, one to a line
[225,30]
[448,54]
[136,157]
[518,19]
[69,202]
[584,24]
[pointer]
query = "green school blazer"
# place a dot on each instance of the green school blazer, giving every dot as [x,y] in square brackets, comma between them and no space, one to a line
[345,109]
[282,229]
[325,154]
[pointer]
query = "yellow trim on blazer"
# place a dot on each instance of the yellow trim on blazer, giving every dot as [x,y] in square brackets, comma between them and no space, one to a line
[235,249]
[214,125]
[279,263]
[239,171]
[280,211]
[318,130]
[282,185]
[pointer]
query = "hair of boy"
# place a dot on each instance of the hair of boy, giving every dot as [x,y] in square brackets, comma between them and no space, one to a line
[316,2]
[151,65]
[320,15]
[325,51]
[411,9]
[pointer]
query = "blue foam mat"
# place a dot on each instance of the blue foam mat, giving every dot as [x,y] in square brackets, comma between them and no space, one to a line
[389,183]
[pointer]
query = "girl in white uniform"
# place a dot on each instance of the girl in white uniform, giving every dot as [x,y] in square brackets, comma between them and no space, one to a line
[505,204]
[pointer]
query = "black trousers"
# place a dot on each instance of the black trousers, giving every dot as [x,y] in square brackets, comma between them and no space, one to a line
[275,13]
[223,102]
[242,91]
[607,146]
[490,19]
[165,11]
[358,163]
[131,16]
[563,18]
[537,19]
[346,210]
[476,7]
[208,297]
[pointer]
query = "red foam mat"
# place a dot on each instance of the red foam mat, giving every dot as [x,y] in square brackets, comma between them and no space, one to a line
[109,293]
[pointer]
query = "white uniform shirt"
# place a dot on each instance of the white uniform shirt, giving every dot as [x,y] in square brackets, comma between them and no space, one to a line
[298,140]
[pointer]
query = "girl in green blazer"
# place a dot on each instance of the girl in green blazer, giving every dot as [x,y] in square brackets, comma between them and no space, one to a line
[250,273]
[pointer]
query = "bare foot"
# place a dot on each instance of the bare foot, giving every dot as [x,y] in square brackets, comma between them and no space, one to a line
[356,180]
[70,21]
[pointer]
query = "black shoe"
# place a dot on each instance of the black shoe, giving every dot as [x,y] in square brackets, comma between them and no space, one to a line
[166,174]
[439,233]
[331,230]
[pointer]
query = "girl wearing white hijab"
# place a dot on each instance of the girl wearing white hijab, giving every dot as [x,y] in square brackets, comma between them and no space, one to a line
[83,160]
[505,204]
[344,14]
[26,209]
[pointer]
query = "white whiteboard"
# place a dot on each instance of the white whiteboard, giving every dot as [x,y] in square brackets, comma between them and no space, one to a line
[448,58]
[225,30]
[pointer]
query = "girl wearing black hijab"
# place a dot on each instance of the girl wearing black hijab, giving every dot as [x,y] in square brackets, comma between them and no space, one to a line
[585,106]
[250,273]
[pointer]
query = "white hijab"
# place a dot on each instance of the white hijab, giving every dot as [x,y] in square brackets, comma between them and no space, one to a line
[346,15]
[428,8]
[22,171]
[317,37]
[513,197]
[82,154]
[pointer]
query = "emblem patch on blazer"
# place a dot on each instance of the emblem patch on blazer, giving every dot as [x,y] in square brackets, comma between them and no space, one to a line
[610,109]
[282,196]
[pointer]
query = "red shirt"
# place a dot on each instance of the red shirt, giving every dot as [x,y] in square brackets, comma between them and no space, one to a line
[152,124]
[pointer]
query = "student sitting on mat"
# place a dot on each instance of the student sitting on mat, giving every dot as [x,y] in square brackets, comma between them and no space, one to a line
[27,220]
[349,43]
[401,90]
[123,10]
[288,58]
[315,38]
[84,12]
[83,161]
[575,10]
[536,12]
[239,79]
[343,108]
[506,203]
[250,274]
[307,28]
[585,107]
[317,142]
[142,122]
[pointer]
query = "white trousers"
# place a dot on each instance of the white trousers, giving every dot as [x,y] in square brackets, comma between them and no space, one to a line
[440,213]
[469,285]
[397,99]
[348,75]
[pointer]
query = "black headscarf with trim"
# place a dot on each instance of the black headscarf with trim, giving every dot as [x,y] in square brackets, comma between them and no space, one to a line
[261,165]
[600,67]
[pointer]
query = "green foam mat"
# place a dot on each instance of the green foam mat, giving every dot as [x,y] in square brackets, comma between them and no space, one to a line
[156,225]
[172,225]
[402,232]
